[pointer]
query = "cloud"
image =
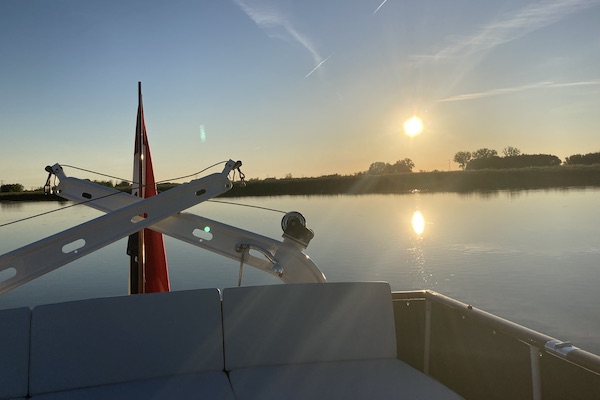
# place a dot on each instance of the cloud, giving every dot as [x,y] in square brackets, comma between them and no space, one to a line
[502,91]
[531,18]
[270,19]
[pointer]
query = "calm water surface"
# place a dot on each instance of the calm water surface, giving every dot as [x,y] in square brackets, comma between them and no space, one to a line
[530,256]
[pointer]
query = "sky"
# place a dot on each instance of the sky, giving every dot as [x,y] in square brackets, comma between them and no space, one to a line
[300,87]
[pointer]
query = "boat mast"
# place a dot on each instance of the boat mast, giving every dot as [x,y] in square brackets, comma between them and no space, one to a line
[135,246]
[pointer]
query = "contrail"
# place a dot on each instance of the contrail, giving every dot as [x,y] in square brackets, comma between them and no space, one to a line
[524,21]
[317,67]
[497,92]
[381,5]
[270,19]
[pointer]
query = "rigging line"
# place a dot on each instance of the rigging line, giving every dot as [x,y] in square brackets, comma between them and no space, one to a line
[130,181]
[195,173]
[231,203]
[58,209]
[95,172]
[101,197]
[38,215]
[247,205]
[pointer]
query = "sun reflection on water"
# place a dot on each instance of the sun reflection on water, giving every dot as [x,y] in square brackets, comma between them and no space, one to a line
[422,278]
[418,223]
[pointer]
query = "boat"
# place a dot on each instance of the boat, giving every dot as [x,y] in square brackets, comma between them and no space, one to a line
[306,338]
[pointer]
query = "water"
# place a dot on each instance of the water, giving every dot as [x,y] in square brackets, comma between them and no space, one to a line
[529,256]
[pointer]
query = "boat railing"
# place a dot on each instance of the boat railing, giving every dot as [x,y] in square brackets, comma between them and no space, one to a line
[480,355]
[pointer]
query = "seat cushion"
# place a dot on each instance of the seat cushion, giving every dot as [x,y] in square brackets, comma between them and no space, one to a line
[14,352]
[300,323]
[122,339]
[371,379]
[206,385]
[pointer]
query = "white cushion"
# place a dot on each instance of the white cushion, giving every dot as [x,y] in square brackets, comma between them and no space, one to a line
[300,323]
[371,379]
[122,339]
[14,352]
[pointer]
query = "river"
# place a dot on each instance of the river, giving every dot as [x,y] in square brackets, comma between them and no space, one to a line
[532,257]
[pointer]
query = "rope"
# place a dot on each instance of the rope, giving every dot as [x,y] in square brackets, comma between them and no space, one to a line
[247,205]
[130,181]
[37,215]
[112,194]
[95,172]
[58,209]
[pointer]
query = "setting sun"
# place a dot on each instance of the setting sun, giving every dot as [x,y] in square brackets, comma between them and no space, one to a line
[413,126]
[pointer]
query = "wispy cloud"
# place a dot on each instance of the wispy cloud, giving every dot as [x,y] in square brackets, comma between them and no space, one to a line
[503,91]
[381,5]
[531,18]
[270,19]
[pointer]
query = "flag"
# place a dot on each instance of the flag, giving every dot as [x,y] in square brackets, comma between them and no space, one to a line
[149,272]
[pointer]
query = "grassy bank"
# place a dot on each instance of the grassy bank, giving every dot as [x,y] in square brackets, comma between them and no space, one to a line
[29,196]
[449,181]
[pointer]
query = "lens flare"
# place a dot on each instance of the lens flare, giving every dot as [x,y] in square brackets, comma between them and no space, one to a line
[413,126]
[202,134]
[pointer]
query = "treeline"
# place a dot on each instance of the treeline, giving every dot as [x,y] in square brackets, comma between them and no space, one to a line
[521,161]
[11,188]
[123,186]
[481,159]
[586,159]
[437,181]
[488,159]
[485,158]
[382,168]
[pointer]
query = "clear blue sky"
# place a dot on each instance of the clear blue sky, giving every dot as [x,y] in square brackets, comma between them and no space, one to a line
[301,87]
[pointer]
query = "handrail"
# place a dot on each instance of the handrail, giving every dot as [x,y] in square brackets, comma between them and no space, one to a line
[542,342]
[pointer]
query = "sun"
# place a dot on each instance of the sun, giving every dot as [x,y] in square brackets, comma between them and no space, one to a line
[413,126]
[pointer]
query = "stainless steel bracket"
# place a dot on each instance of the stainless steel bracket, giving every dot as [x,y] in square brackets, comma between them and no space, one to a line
[559,348]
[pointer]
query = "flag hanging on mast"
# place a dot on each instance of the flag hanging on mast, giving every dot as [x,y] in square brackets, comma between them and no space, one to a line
[148,260]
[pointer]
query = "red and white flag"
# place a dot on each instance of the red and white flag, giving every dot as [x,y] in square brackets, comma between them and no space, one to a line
[149,271]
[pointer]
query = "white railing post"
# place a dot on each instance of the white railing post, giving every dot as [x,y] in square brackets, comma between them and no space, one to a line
[536,380]
[427,347]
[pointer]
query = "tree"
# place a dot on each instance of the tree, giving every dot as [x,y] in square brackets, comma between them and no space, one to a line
[401,166]
[123,185]
[11,187]
[462,158]
[484,153]
[377,168]
[586,159]
[511,151]
[105,183]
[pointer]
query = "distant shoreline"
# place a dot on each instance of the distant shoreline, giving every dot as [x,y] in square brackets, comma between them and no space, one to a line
[437,181]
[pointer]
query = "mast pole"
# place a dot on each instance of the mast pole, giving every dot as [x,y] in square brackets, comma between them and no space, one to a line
[135,245]
[141,169]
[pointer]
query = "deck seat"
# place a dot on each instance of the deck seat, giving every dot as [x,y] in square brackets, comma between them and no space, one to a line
[128,347]
[207,384]
[318,341]
[14,352]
